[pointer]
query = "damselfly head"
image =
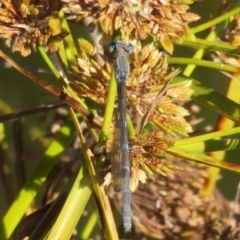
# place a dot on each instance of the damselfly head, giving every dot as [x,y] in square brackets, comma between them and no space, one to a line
[131,48]
[112,47]
[115,46]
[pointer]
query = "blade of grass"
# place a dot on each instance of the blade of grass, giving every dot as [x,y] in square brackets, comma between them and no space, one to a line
[223,123]
[213,100]
[32,186]
[225,20]
[73,207]
[108,114]
[213,145]
[202,158]
[104,208]
[203,63]
[90,225]
[69,48]
[210,136]
[63,81]
[228,15]
[39,222]
[216,101]
[48,62]
[210,45]
[55,66]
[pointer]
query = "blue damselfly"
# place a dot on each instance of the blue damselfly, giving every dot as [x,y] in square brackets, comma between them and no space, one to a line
[120,157]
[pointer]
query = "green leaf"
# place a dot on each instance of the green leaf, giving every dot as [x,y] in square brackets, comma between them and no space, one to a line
[213,145]
[213,100]
[216,101]
[210,45]
[210,136]
[223,17]
[202,158]
[203,63]
[34,183]
[73,207]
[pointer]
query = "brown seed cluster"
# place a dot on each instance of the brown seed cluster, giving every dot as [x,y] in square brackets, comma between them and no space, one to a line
[164,20]
[219,229]
[173,208]
[90,79]
[149,72]
[176,206]
[148,153]
[27,24]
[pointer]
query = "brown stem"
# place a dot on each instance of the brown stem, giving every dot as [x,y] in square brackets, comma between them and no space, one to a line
[55,91]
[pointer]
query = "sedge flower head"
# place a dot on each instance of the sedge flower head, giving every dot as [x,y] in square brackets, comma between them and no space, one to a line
[149,72]
[90,78]
[26,23]
[165,20]
[148,154]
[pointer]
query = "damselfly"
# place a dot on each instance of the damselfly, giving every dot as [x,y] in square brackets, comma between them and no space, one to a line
[120,157]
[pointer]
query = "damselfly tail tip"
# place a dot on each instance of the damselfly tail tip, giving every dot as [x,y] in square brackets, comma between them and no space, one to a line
[127,227]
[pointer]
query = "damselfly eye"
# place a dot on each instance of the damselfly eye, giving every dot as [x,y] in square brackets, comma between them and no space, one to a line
[111,47]
[131,48]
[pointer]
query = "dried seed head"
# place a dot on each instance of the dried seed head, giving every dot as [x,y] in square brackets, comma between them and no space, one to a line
[173,208]
[165,20]
[143,149]
[26,22]
[91,80]
[148,76]
[149,72]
